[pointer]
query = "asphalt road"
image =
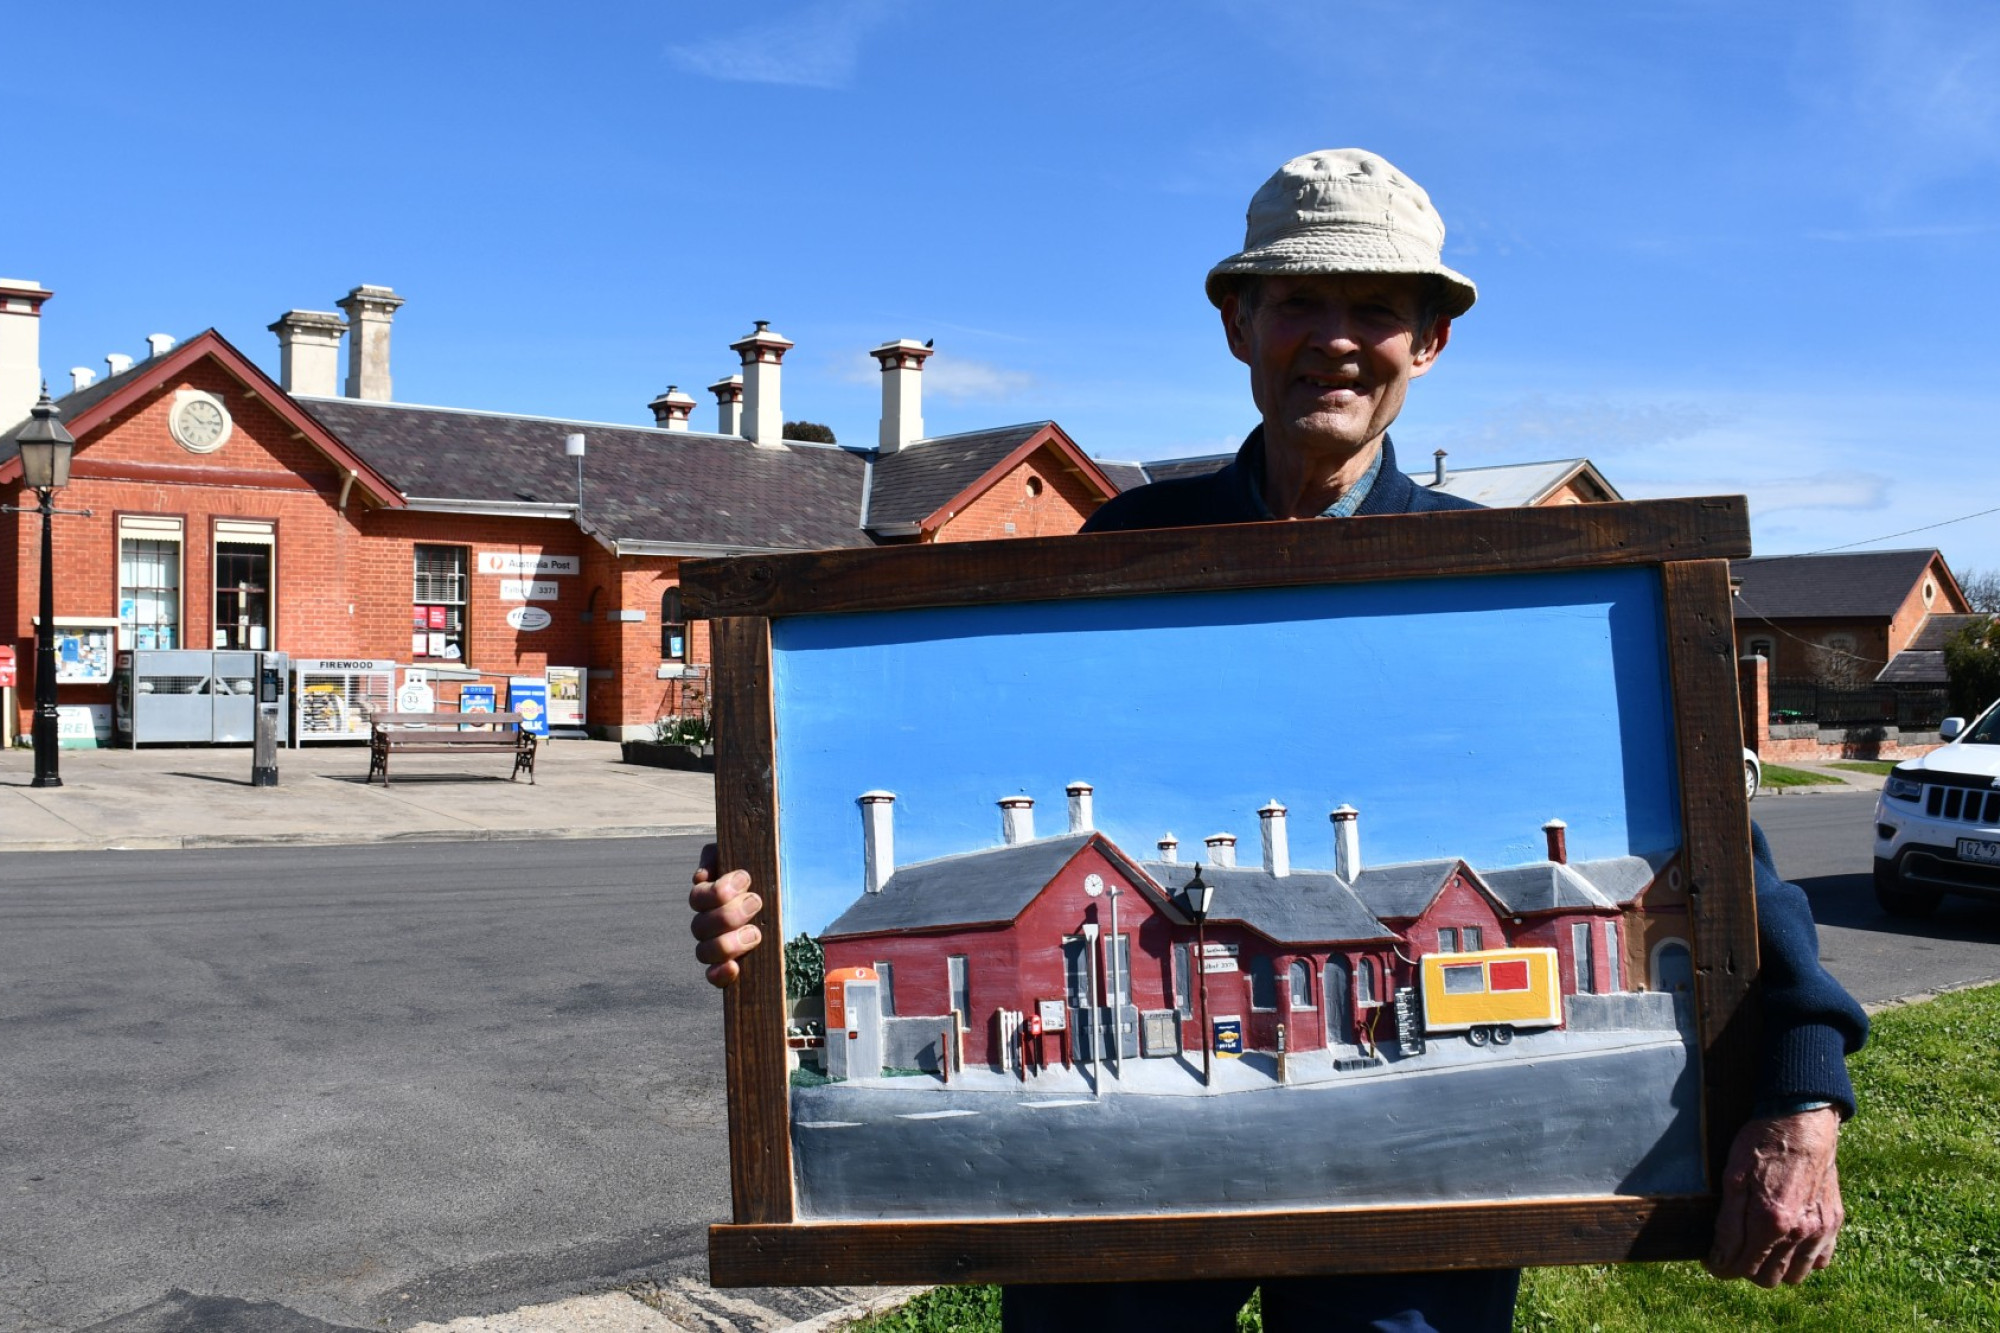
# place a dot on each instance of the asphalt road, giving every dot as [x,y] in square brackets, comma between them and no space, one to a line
[372,1085]
[1824,843]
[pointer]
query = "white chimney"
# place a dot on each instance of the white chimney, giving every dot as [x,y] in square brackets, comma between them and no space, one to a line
[1277,849]
[1080,816]
[118,362]
[81,377]
[1221,849]
[728,405]
[902,363]
[1017,819]
[763,416]
[1346,842]
[309,351]
[672,409]
[1170,849]
[20,348]
[878,838]
[1557,834]
[158,344]
[369,311]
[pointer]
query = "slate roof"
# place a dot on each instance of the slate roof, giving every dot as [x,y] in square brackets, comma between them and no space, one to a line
[640,483]
[1922,663]
[1543,886]
[1403,891]
[916,481]
[1123,475]
[1167,469]
[73,403]
[1844,585]
[1306,906]
[989,886]
[1623,878]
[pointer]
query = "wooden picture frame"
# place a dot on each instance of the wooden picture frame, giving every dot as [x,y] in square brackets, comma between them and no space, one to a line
[1678,547]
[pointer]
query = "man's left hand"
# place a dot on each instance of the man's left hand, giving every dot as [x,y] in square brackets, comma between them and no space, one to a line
[1780,1200]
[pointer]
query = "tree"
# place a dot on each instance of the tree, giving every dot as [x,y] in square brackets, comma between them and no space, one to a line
[809,431]
[1972,666]
[805,967]
[1982,589]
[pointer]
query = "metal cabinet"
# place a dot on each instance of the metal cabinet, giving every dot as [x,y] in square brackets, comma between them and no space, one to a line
[185,697]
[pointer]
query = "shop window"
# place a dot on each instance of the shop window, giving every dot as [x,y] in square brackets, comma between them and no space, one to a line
[1614,982]
[1263,983]
[149,583]
[1447,939]
[1473,938]
[1582,957]
[1302,989]
[1366,991]
[1183,977]
[437,627]
[243,580]
[673,627]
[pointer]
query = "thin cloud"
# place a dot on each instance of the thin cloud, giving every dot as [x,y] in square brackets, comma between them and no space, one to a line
[818,47]
[1536,424]
[974,381]
[1938,231]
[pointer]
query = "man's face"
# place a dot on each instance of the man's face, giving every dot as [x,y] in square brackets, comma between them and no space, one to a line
[1331,356]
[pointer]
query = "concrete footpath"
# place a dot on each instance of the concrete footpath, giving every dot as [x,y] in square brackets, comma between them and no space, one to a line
[171,798]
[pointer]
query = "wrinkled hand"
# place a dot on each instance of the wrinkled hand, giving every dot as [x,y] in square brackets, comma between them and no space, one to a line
[724,909]
[1780,1200]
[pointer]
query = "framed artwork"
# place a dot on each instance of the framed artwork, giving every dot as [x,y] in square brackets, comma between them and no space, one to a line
[1246,901]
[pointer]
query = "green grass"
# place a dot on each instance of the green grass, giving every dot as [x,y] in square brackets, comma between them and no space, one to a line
[1879,767]
[1777,775]
[1920,1169]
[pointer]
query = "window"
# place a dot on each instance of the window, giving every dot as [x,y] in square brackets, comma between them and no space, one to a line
[1474,939]
[955,977]
[1077,972]
[887,971]
[1302,989]
[438,594]
[149,583]
[1613,982]
[1511,975]
[1464,979]
[1447,939]
[1183,971]
[1263,983]
[1581,956]
[1119,984]
[243,558]
[673,626]
[1365,991]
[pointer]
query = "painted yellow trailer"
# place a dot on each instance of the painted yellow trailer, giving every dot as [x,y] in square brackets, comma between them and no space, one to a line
[1491,994]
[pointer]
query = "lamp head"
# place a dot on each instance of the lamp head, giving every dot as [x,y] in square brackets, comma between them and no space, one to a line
[46,447]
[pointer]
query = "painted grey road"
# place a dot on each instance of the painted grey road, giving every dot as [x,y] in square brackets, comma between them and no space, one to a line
[301,1090]
[1824,843]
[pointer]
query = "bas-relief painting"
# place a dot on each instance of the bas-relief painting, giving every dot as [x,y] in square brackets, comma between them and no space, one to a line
[1366,894]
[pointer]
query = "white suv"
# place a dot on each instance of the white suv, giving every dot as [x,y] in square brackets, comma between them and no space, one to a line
[1937,824]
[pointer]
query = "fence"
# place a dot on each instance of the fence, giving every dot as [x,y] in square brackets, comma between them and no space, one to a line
[1910,708]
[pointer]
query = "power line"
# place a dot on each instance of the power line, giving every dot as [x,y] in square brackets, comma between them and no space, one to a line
[1870,541]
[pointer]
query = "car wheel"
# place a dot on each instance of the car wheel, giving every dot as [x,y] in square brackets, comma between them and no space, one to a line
[1899,899]
[1749,780]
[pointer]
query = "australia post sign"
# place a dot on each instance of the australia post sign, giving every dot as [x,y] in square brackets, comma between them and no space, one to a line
[528,564]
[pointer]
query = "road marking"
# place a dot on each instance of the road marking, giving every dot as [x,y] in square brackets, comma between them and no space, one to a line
[1071,1101]
[829,1124]
[933,1115]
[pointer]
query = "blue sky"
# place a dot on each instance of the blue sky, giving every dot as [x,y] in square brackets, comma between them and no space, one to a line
[1720,247]
[1426,706]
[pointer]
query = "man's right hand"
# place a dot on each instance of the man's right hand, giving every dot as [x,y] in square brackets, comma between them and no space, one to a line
[724,908]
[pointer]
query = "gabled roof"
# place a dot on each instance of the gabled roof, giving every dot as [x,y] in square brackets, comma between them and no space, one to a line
[1544,886]
[1401,892]
[1922,663]
[988,887]
[1856,585]
[1198,465]
[1623,878]
[83,410]
[1519,485]
[921,485]
[1304,907]
[641,484]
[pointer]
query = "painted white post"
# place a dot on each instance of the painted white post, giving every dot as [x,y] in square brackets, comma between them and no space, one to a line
[1090,1008]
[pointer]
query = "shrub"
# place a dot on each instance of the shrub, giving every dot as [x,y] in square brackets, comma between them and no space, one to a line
[1972,664]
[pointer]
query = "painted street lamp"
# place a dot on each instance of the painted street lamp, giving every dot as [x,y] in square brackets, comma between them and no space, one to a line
[1198,896]
[46,449]
[1090,998]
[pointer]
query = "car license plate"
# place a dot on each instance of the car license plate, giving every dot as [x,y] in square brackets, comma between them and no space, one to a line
[1975,849]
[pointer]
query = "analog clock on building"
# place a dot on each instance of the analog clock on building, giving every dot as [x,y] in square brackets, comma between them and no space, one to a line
[199,421]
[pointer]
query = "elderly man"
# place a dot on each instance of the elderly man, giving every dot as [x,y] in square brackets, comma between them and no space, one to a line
[1337,301]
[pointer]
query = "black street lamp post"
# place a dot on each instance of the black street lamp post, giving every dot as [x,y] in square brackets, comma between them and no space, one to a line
[1199,896]
[46,449]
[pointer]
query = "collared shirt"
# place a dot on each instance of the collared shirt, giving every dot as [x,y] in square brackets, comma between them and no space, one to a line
[1351,500]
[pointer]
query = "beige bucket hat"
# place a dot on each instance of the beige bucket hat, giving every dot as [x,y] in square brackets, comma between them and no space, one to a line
[1343,210]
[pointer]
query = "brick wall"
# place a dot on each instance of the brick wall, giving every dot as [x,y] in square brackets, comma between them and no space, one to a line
[1040,497]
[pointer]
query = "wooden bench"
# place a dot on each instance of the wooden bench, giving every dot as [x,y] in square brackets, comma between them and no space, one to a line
[439,733]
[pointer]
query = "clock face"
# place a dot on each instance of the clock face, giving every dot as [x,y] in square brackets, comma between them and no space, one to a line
[200,422]
[1093,884]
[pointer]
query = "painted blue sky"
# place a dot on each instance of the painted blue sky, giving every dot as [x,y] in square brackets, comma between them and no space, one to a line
[1456,716]
[1721,247]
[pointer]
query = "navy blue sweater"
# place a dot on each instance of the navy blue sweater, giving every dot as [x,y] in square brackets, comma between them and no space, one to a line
[1811,1024]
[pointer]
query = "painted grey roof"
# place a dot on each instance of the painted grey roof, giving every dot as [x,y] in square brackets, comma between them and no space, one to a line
[916,481]
[1621,878]
[1506,485]
[990,885]
[640,483]
[1305,907]
[1542,886]
[1868,584]
[1402,891]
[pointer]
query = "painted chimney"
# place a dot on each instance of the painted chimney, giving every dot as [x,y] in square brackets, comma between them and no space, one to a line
[309,351]
[1170,849]
[1277,848]
[1081,820]
[1438,480]
[81,377]
[158,344]
[20,348]
[1346,842]
[878,838]
[369,311]
[1221,849]
[728,405]
[1017,819]
[1557,833]
[672,408]
[902,363]
[763,416]
[118,362]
